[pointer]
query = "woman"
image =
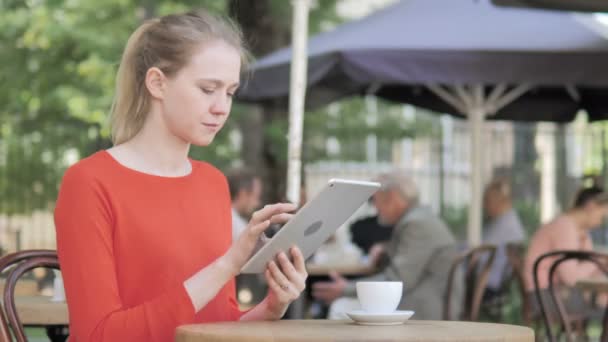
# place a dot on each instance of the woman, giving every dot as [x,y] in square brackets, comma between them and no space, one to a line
[568,231]
[143,232]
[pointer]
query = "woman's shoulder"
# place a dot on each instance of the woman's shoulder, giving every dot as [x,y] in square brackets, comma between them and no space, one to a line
[88,168]
[207,170]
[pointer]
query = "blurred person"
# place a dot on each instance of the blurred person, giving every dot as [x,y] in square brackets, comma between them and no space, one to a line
[568,231]
[503,227]
[367,232]
[420,254]
[245,194]
[143,231]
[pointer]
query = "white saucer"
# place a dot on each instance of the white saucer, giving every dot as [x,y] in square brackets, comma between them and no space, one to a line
[393,318]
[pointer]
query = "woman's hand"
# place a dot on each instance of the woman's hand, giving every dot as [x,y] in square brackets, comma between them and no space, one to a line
[286,281]
[242,248]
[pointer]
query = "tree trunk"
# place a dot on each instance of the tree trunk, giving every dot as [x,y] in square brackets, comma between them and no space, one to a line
[263,34]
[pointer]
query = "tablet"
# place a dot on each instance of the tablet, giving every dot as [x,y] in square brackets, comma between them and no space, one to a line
[315,222]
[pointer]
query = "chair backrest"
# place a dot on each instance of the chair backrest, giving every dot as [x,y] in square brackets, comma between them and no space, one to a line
[19,263]
[515,256]
[476,263]
[599,259]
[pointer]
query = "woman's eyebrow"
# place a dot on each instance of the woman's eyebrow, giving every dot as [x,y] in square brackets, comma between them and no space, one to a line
[218,83]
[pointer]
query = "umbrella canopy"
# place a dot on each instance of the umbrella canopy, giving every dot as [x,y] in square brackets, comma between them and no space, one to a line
[563,5]
[395,52]
[464,57]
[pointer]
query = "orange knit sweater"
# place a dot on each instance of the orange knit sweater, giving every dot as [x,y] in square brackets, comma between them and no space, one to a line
[127,241]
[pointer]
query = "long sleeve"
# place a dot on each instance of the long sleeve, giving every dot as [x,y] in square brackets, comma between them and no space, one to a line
[84,223]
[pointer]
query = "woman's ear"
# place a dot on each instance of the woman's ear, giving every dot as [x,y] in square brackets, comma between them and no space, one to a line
[155,82]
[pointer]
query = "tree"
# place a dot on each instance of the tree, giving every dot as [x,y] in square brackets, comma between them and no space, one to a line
[267,26]
[58,61]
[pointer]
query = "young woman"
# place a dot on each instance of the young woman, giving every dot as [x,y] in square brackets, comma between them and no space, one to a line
[144,232]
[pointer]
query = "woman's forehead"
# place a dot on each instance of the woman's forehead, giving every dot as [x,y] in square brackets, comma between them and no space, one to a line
[215,60]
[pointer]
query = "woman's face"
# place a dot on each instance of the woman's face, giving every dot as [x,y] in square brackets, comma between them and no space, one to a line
[595,214]
[197,100]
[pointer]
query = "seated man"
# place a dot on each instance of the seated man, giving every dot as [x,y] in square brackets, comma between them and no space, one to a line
[245,194]
[420,253]
[568,231]
[503,227]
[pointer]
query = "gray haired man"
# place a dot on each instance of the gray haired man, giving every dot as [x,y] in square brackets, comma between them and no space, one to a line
[419,253]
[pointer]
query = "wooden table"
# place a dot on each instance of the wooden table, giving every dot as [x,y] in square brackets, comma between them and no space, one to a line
[593,284]
[41,311]
[24,287]
[326,331]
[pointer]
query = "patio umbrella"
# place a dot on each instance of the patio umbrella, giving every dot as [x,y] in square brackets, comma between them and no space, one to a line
[563,5]
[465,57]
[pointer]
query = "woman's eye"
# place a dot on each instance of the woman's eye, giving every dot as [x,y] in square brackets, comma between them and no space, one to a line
[230,94]
[207,91]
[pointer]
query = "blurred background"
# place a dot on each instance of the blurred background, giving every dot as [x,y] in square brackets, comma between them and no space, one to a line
[57,65]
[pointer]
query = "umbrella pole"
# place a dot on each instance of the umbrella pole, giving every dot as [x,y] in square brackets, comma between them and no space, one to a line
[472,102]
[476,121]
[297,94]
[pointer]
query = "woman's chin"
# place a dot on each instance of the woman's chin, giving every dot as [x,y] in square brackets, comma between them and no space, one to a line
[203,141]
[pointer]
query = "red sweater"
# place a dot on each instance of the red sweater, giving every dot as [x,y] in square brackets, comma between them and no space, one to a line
[128,240]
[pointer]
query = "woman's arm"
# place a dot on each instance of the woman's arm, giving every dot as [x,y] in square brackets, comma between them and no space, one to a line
[205,284]
[84,225]
[285,282]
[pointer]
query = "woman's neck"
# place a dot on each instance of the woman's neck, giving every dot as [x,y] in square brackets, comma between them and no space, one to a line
[579,219]
[155,150]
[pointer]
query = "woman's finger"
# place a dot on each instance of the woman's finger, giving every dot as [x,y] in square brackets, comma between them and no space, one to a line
[286,292]
[291,273]
[276,273]
[270,210]
[298,261]
[281,218]
[272,284]
[257,229]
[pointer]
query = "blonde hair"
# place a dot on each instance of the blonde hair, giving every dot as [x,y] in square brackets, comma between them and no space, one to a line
[166,43]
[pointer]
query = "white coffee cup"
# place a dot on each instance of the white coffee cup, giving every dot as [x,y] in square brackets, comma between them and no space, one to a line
[379,297]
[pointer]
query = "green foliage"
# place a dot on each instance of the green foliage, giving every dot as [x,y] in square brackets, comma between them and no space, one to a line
[58,60]
[456,219]
[348,121]
[529,214]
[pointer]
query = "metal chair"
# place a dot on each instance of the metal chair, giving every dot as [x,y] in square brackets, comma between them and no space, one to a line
[19,263]
[515,256]
[477,263]
[565,320]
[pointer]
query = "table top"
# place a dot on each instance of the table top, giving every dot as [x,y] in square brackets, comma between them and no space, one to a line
[40,310]
[344,269]
[326,330]
[593,284]
[24,287]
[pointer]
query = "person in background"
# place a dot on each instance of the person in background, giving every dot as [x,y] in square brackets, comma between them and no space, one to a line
[503,227]
[245,194]
[568,231]
[367,232]
[143,231]
[420,254]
